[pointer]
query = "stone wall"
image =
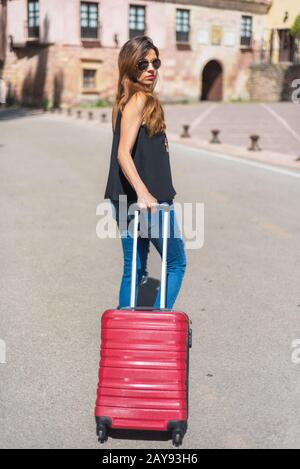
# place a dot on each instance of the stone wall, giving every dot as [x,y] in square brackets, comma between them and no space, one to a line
[272,82]
[55,72]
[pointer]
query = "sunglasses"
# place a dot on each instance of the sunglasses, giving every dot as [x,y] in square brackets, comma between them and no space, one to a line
[143,64]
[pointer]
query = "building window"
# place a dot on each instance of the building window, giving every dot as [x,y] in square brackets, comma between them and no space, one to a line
[89,79]
[246,31]
[136,21]
[89,20]
[182,25]
[33,13]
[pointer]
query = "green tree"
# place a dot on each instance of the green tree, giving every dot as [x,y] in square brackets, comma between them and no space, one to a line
[295,29]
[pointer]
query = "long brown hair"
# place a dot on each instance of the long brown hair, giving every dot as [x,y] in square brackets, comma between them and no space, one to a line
[131,52]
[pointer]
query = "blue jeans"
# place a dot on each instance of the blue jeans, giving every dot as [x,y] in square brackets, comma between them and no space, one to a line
[151,226]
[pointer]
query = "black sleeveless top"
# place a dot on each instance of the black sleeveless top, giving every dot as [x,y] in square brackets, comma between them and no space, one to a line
[151,158]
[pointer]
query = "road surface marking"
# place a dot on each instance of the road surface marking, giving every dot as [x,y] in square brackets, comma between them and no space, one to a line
[276,230]
[282,121]
[218,195]
[202,116]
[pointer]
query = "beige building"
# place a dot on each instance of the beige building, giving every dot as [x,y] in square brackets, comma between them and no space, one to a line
[274,77]
[66,51]
[281,17]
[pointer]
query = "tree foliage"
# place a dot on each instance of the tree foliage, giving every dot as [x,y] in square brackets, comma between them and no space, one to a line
[295,29]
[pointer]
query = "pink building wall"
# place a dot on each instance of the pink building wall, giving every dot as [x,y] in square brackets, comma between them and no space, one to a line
[66,56]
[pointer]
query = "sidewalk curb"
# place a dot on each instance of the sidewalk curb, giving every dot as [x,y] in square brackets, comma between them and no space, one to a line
[272,158]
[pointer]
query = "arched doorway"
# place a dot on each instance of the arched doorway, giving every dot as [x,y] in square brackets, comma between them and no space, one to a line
[212,82]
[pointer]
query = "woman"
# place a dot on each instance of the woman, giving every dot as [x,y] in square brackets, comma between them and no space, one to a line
[140,169]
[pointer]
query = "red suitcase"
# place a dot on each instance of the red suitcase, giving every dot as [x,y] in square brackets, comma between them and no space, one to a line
[144,363]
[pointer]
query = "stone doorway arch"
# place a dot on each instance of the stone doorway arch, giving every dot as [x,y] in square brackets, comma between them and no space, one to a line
[212,81]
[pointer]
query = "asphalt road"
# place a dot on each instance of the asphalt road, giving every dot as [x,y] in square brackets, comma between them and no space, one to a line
[241,291]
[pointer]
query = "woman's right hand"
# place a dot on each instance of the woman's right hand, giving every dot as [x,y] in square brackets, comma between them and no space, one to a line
[147,201]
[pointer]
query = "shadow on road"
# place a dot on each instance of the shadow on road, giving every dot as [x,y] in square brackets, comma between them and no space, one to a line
[146,435]
[18,112]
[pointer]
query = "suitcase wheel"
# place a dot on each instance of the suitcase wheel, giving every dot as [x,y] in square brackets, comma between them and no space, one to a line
[102,433]
[177,437]
[103,425]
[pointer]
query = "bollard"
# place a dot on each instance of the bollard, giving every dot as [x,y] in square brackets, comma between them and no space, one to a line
[103,117]
[254,143]
[215,136]
[79,114]
[90,115]
[185,131]
[69,111]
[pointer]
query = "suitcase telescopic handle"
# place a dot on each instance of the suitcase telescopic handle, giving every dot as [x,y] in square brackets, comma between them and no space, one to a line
[166,210]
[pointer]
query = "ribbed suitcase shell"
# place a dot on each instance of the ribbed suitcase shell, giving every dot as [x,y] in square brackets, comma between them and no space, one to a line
[143,373]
